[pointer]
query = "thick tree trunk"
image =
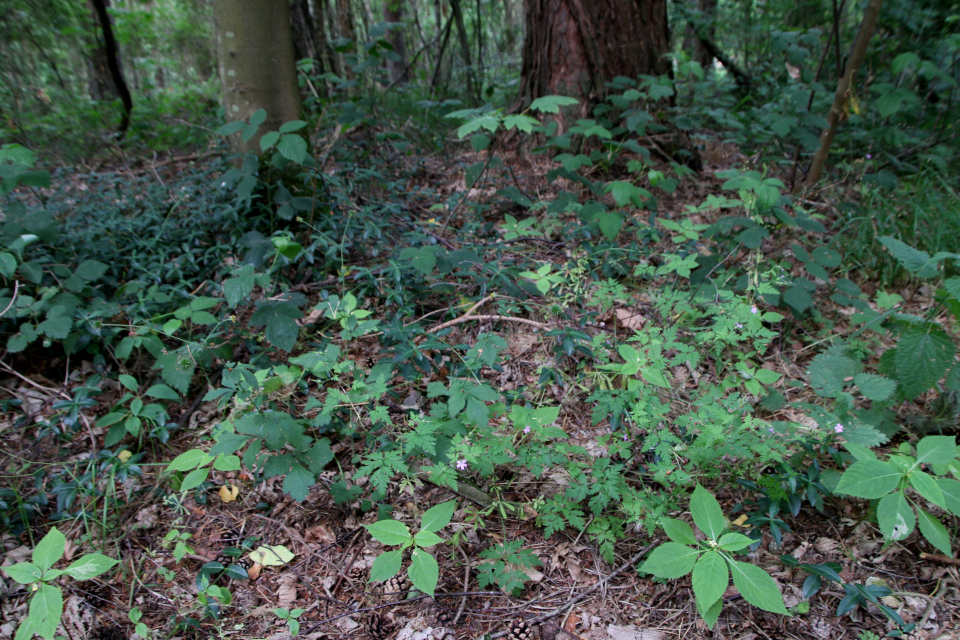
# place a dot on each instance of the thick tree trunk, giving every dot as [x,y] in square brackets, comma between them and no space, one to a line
[393,13]
[574,47]
[112,52]
[843,94]
[256,64]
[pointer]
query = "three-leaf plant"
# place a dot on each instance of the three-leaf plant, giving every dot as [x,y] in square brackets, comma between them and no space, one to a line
[46,605]
[888,481]
[711,560]
[423,570]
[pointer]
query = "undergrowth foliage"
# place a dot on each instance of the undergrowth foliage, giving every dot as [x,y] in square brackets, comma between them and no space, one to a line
[256,282]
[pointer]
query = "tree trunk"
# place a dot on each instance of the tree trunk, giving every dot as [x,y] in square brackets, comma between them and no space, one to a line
[112,52]
[843,94]
[303,45]
[321,36]
[574,47]
[347,32]
[464,48]
[393,13]
[702,27]
[256,64]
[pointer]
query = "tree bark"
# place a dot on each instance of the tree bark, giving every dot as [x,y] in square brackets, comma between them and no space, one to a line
[303,44]
[702,28]
[112,52]
[393,13]
[347,32]
[855,59]
[574,47]
[464,48]
[256,64]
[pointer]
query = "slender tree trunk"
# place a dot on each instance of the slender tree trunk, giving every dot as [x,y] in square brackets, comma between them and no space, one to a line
[321,36]
[464,47]
[256,64]
[347,32]
[303,44]
[843,94]
[702,27]
[112,52]
[393,13]
[574,47]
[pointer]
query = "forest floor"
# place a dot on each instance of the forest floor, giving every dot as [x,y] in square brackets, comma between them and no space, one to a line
[573,594]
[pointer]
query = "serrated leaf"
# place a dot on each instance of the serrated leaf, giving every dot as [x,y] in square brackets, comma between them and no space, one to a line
[913,260]
[937,450]
[297,482]
[269,139]
[670,560]
[57,327]
[258,117]
[89,566]
[678,531]
[552,104]
[828,257]
[162,392]
[424,571]
[864,435]
[757,587]
[46,607]
[50,549]
[610,223]
[934,531]
[436,518]
[711,613]
[389,532]
[798,298]
[91,270]
[710,577]
[24,572]
[176,370]
[922,357]
[386,565]
[426,539]
[869,479]
[707,513]
[950,489]
[874,387]
[927,487]
[734,541]
[895,516]
[292,147]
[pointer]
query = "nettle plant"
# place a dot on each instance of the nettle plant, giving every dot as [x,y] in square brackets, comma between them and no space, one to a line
[906,471]
[711,560]
[46,603]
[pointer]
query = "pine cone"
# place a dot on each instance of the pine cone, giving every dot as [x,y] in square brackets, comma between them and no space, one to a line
[519,630]
[378,627]
[396,587]
[441,617]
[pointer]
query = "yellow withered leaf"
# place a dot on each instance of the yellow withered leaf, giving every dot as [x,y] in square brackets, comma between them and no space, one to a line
[229,493]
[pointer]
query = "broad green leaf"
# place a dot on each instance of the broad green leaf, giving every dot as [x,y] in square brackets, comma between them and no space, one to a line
[426,539]
[711,613]
[23,572]
[923,355]
[710,577]
[163,392]
[389,532]
[934,531]
[734,541]
[91,270]
[297,482]
[859,452]
[951,494]
[89,566]
[46,607]
[293,125]
[874,387]
[552,104]
[189,460]
[230,128]
[386,566]
[895,516]
[258,117]
[707,513]
[269,139]
[227,463]
[129,382]
[438,517]
[292,147]
[757,587]
[927,487]
[194,479]
[50,549]
[424,571]
[670,560]
[869,479]
[937,450]
[678,531]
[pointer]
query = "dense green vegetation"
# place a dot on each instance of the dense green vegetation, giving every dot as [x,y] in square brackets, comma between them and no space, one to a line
[611,326]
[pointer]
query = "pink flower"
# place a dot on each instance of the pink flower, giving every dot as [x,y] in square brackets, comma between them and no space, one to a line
[526,429]
[754,310]
[838,428]
[739,326]
[461,464]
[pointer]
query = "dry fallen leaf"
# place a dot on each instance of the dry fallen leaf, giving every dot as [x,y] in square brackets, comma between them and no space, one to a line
[272,556]
[739,521]
[229,492]
[630,319]
[287,592]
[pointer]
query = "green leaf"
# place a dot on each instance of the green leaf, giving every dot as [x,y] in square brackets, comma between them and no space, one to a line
[24,572]
[734,541]
[923,355]
[874,387]
[230,128]
[626,193]
[934,531]
[57,327]
[927,487]
[49,550]
[670,560]
[426,539]
[189,460]
[386,566]
[269,139]
[176,370]
[610,223]
[710,577]
[438,517]
[937,450]
[163,392]
[552,104]
[913,260]
[707,513]
[423,571]
[757,587]
[951,494]
[258,117]
[194,479]
[297,482]
[389,532]
[46,607]
[678,531]
[89,566]
[895,516]
[869,479]
[129,382]
[293,125]
[91,270]
[292,147]
[828,257]
[711,613]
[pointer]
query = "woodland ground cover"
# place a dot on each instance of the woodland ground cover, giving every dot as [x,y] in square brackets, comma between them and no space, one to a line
[415,347]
